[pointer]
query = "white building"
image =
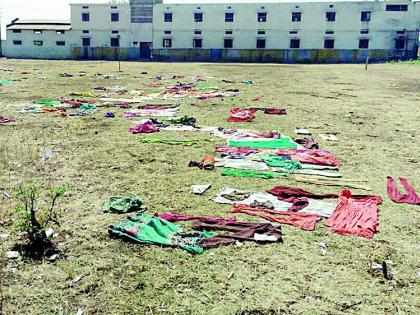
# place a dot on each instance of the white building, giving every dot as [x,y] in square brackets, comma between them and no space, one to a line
[238,30]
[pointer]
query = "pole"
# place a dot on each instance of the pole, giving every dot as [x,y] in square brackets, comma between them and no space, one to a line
[119,58]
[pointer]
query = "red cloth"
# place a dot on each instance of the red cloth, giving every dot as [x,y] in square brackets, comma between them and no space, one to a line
[275,111]
[235,150]
[290,194]
[304,221]
[394,194]
[242,115]
[355,216]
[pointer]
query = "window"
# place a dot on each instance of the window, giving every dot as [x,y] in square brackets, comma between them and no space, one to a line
[294,43]
[37,32]
[197,43]
[114,32]
[228,32]
[363,43]
[198,17]
[60,32]
[329,32]
[330,16]
[114,7]
[364,31]
[85,7]
[293,32]
[86,42]
[167,42]
[197,32]
[135,43]
[17,31]
[331,6]
[260,32]
[38,42]
[262,17]
[228,43]
[296,16]
[365,16]
[115,17]
[17,42]
[60,43]
[115,42]
[260,43]
[228,17]
[329,43]
[400,32]
[400,43]
[85,17]
[397,7]
[167,17]
[168,32]
[85,32]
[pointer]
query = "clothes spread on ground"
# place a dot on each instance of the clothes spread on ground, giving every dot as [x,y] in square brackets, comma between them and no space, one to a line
[189,142]
[289,193]
[275,111]
[355,216]
[395,195]
[167,112]
[6,119]
[206,163]
[244,164]
[319,157]
[126,204]
[308,143]
[281,164]
[144,126]
[239,134]
[181,217]
[317,172]
[241,115]
[319,180]
[250,173]
[302,220]
[269,201]
[148,229]
[109,115]
[239,231]
[153,230]
[282,143]
[200,189]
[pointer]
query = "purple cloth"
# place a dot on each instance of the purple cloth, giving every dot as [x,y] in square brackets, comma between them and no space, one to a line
[144,126]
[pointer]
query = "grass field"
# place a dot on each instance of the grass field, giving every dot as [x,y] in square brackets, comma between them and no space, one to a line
[376,114]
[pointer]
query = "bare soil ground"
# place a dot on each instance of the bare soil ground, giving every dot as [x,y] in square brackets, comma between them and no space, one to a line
[375,114]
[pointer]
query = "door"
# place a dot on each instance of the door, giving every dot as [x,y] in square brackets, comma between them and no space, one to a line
[145,50]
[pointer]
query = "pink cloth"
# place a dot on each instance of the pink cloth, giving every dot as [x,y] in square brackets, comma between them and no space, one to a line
[180,217]
[318,157]
[5,119]
[144,126]
[355,216]
[394,194]
[242,115]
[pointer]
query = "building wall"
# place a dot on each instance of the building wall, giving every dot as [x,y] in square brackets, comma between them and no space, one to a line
[311,31]
[49,49]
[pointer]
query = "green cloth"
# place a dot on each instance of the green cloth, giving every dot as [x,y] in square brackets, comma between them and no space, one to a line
[282,143]
[87,106]
[247,173]
[5,82]
[148,229]
[48,102]
[185,120]
[124,204]
[273,160]
[205,88]
[189,142]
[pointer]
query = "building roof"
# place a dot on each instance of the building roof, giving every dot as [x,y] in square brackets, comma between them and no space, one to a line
[39,25]
[227,2]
